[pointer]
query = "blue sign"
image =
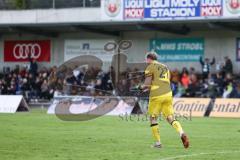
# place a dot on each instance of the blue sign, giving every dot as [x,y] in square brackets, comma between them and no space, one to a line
[156,9]
[171,8]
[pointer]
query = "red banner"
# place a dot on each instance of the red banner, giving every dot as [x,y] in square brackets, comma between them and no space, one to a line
[20,51]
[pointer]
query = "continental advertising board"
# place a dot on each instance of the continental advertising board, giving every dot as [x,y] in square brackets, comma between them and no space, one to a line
[184,107]
[226,108]
[195,107]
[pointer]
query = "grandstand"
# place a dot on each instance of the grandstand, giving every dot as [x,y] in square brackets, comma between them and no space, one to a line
[82,60]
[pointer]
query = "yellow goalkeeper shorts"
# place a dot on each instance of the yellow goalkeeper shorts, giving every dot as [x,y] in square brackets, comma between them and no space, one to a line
[161,104]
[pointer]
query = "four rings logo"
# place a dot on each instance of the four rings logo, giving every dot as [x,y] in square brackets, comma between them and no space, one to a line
[23,51]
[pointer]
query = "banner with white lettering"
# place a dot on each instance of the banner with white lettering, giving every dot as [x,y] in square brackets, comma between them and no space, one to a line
[182,8]
[24,50]
[178,49]
[168,9]
[162,9]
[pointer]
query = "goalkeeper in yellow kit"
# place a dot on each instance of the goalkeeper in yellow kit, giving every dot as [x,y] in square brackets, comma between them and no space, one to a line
[157,80]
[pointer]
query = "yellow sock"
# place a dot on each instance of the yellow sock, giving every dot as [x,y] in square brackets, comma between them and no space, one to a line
[178,127]
[155,132]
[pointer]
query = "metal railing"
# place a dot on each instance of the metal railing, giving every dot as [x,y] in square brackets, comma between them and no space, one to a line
[46,4]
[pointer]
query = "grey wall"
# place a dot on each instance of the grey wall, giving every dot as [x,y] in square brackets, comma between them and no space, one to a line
[217,43]
[48,16]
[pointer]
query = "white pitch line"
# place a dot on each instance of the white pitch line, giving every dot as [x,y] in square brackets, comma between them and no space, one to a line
[198,154]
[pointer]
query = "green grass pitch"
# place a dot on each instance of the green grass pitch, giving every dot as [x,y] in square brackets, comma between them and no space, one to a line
[38,136]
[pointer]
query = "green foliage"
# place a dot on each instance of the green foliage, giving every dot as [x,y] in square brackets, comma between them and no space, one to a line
[20,4]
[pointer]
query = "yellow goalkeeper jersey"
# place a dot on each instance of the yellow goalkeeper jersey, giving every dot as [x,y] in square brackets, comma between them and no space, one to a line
[160,74]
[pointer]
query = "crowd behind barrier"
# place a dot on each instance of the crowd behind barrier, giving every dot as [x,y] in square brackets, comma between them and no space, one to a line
[35,83]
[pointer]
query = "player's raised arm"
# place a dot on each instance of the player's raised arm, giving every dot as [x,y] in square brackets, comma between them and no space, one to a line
[147,84]
[148,72]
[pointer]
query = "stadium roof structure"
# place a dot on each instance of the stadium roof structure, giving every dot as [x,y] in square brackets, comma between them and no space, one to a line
[115,29]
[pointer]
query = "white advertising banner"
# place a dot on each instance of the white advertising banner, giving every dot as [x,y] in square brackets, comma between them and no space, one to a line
[11,103]
[112,9]
[93,105]
[231,8]
[74,48]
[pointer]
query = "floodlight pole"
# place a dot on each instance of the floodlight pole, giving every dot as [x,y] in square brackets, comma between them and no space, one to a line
[118,64]
[53,4]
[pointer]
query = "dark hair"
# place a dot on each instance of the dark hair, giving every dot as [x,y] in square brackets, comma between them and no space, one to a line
[152,56]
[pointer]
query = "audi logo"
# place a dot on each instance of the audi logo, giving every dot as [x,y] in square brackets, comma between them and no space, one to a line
[23,51]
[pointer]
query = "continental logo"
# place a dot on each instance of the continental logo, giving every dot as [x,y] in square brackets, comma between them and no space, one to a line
[226,108]
[195,106]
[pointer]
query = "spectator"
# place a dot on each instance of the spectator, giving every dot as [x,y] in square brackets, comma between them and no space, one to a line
[37,87]
[185,78]
[180,90]
[193,79]
[112,74]
[192,71]
[4,87]
[99,84]
[238,90]
[74,88]
[192,90]
[91,87]
[219,81]
[23,71]
[228,67]
[66,87]
[175,76]
[45,90]
[59,85]
[25,87]
[71,79]
[206,66]
[33,66]
[81,76]
[228,90]
[193,86]
[123,86]
[106,81]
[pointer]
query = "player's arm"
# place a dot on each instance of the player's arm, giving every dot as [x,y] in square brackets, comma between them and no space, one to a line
[148,79]
[147,84]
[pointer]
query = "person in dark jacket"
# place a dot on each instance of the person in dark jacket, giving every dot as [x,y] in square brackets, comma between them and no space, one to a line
[33,67]
[228,67]
[206,66]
